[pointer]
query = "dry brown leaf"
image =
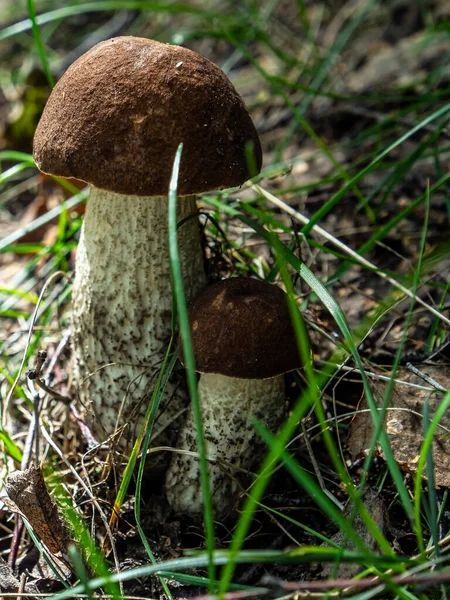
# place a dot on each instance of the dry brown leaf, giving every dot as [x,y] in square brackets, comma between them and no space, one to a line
[29,493]
[404,421]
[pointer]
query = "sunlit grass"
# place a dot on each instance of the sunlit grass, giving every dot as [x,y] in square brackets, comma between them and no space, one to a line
[402,130]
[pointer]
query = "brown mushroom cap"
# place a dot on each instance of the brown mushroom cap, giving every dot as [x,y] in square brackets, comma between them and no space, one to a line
[242,328]
[117,115]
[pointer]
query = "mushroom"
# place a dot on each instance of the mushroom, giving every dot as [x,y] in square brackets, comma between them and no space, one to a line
[243,343]
[114,120]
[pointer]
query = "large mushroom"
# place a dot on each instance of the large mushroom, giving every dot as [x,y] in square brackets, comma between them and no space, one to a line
[243,342]
[114,120]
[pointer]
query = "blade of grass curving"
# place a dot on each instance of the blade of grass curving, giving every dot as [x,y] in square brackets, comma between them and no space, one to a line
[146,427]
[38,41]
[180,299]
[314,491]
[400,351]
[433,516]
[333,452]
[6,175]
[42,220]
[305,554]
[91,554]
[14,155]
[107,5]
[341,321]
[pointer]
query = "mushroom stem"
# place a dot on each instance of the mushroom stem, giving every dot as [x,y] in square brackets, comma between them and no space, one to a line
[228,406]
[122,302]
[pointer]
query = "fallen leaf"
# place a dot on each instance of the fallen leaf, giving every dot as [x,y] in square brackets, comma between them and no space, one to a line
[404,421]
[29,493]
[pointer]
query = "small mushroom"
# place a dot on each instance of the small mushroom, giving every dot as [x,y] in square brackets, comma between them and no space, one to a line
[243,343]
[115,120]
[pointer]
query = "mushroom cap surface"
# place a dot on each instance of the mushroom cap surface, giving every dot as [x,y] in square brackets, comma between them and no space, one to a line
[242,328]
[117,115]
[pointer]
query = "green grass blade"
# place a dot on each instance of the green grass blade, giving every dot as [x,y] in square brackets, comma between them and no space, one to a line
[444,110]
[332,450]
[145,428]
[14,155]
[314,491]
[38,42]
[422,462]
[202,581]
[102,5]
[11,447]
[20,294]
[80,569]
[93,556]
[180,299]
[341,321]
[305,554]
[13,171]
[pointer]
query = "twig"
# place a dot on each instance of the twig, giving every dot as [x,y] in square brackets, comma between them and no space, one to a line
[275,585]
[51,392]
[22,581]
[425,377]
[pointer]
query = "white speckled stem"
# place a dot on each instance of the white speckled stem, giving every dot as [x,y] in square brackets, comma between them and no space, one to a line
[122,306]
[227,406]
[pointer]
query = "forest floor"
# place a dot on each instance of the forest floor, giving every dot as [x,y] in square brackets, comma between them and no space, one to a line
[352,104]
